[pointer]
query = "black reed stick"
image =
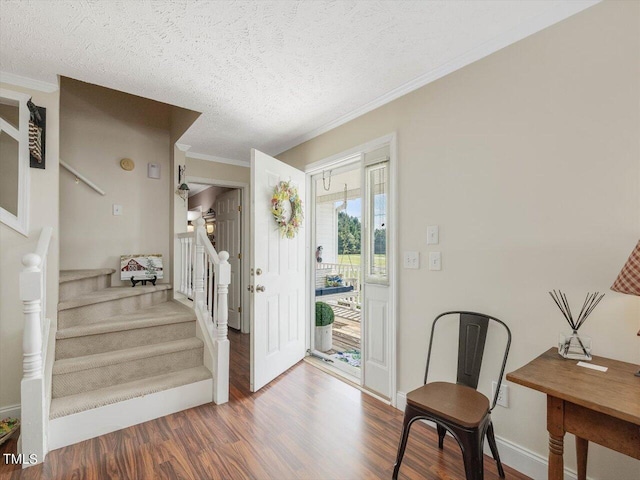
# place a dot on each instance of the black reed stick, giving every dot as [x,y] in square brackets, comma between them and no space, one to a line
[590,303]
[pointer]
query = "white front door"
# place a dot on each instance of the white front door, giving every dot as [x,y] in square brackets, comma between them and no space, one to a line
[228,239]
[278,280]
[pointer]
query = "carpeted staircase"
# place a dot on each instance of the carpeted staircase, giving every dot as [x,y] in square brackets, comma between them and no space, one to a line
[115,344]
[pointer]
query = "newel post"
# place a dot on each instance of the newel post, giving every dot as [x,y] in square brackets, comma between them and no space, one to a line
[198,283]
[221,381]
[31,296]
[32,385]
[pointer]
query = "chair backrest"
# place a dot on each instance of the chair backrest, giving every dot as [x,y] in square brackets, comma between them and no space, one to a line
[472,337]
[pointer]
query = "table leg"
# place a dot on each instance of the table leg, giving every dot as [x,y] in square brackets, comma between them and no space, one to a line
[555,427]
[582,449]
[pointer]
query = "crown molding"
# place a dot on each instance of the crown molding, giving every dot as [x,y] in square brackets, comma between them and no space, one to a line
[533,25]
[212,158]
[25,82]
[182,147]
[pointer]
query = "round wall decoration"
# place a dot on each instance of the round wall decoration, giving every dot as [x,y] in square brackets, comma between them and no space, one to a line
[127,164]
[286,208]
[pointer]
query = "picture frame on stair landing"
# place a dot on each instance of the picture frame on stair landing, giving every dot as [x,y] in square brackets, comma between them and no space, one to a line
[141,268]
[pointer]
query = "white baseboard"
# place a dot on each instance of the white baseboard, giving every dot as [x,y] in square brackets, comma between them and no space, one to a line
[10,411]
[92,423]
[517,457]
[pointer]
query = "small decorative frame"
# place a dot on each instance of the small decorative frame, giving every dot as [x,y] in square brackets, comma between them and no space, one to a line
[289,220]
[141,268]
[37,136]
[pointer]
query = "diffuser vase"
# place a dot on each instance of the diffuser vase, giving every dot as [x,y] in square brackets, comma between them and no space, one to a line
[574,346]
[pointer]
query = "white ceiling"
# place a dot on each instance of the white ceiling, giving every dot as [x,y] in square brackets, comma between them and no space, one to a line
[265,74]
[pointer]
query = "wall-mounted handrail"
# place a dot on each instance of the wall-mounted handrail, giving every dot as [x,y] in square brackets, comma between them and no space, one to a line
[79,176]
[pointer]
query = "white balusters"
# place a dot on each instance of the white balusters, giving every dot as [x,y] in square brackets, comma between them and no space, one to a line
[183,272]
[205,277]
[189,262]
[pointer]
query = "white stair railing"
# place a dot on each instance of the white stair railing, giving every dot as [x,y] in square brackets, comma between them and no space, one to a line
[35,389]
[204,277]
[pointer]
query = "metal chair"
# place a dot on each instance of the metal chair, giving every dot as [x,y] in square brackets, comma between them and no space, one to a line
[457,407]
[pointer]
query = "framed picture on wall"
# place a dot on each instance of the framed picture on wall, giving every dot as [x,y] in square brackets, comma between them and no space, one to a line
[141,268]
[37,135]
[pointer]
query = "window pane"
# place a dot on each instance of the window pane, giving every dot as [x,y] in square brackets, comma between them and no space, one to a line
[8,173]
[10,111]
[377,190]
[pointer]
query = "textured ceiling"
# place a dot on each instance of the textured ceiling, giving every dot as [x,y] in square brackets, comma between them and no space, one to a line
[264,73]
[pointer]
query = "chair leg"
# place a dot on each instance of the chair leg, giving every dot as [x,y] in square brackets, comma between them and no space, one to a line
[441,433]
[409,417]
[494,449]
[471,443]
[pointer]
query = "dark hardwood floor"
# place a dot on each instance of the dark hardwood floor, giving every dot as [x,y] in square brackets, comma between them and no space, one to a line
[304,425]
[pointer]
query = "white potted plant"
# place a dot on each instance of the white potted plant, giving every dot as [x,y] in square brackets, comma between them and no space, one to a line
[324,324]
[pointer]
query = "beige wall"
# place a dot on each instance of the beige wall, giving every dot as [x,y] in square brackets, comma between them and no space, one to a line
[206,198]
[529,160]
[217,170]
[43,213]
[99,127]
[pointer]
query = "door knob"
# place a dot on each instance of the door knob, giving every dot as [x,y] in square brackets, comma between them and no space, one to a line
[250,288]
[258,271]
[260,288]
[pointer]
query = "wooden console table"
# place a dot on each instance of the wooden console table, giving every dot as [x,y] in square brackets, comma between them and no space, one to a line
[601,407]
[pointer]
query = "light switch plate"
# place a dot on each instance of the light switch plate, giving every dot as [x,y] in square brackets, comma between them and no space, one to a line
[411,260]
[117,209]
[433,235]
[435,261]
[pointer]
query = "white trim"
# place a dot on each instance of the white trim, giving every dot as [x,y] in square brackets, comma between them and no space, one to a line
[182,147]
[26,82]
[394,255]
[92,423]
[213,158]
[10,411]
[515,456]
[246,232]
[20,221]
[529,27]
[353,155]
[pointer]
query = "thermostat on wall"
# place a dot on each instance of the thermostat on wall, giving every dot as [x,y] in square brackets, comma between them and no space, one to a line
[153,170]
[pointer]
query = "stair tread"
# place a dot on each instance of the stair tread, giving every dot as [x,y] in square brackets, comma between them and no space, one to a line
[109,294]
[162,314]
[86,362]
[71,275]
[79,402]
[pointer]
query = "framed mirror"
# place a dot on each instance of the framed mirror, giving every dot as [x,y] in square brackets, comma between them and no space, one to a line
[14,160]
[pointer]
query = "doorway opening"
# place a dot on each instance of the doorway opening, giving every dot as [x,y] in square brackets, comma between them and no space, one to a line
[221,209]
[337,218]
[352,274]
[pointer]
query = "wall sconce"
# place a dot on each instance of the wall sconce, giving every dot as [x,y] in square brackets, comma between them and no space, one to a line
[210,228]
[183,188]
[190,227]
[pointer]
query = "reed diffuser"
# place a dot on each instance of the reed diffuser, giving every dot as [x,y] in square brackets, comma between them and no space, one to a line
[573,345]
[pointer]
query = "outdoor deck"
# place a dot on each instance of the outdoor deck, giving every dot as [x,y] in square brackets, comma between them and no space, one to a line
[346,329]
